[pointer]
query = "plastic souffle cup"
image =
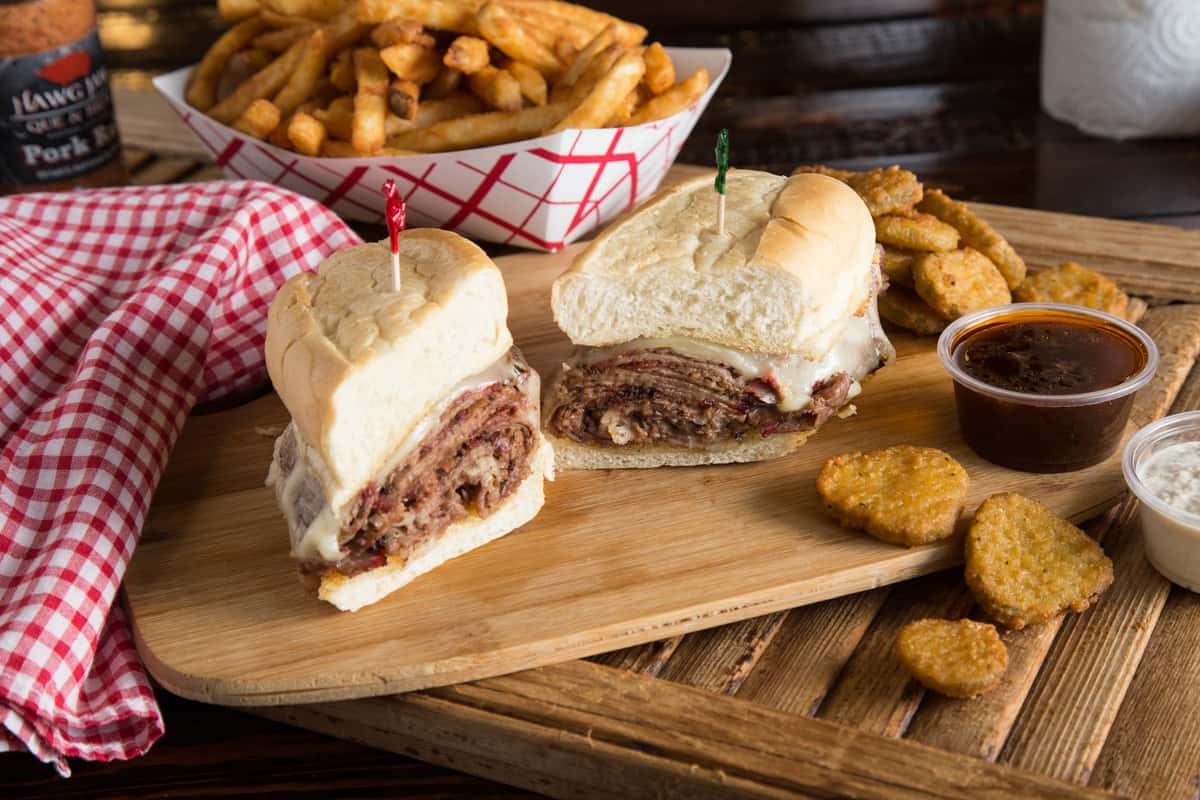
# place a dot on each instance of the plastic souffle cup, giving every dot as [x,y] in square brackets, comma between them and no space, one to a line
[1171,534]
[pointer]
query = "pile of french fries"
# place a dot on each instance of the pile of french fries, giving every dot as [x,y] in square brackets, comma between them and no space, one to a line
[354,78]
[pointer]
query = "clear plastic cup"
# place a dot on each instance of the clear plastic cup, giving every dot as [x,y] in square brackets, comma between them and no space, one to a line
[1044,432]
[1172,535]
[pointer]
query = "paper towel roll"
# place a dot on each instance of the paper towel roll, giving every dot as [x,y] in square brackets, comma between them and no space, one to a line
[1123,68]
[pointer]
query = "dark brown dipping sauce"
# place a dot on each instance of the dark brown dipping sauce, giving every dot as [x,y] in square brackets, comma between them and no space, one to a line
[1049,357]
[1046,353]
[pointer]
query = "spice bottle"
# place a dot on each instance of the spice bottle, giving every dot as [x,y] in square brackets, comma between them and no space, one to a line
[57,128]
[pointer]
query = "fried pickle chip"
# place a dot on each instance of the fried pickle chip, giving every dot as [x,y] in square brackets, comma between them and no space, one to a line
[976,233]
[885,191]
[902,495]
[915,232]
[901,306]
[1026,565]
[897,265]
[1075,285]
[843,175]
[958,659]
[959,282]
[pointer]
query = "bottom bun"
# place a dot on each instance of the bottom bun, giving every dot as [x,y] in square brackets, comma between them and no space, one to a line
[351,594]
[572,455]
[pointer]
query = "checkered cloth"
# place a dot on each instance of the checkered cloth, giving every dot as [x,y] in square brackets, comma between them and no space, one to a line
[119,310]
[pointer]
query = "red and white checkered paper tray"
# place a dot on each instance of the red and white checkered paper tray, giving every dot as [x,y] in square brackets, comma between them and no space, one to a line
[539,193]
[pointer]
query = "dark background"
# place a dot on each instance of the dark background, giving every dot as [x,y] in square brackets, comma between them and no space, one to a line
[948,89]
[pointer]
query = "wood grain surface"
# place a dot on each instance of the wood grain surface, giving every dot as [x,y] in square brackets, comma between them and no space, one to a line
[831,660]
[948,88]
[615,557]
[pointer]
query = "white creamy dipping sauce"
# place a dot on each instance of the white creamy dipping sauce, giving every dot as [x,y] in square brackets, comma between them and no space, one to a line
[1173,476]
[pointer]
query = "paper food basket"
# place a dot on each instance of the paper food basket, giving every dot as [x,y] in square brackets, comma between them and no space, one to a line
[539,193]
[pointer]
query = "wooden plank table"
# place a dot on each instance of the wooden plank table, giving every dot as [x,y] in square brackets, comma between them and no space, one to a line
[1099,702]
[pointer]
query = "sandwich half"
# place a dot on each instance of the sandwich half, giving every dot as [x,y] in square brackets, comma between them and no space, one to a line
[694,347]
[415,430]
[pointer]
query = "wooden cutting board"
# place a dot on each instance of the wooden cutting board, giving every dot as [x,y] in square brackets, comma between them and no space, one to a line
[615,558]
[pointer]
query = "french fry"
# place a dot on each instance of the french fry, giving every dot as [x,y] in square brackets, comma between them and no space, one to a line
[673,100]
[243,64]
[342,31]
[660,71]
[305,76]
[628,34]
[467,54]
[202,90]
[278,137]
[308,9]
[279,39]
[404,98]
[458,104]
[335,149]
[496,87]
[397,31]
[532,82]
[394,125]
[564,50]
[510,37]
[259,119]
[624,109]
[267,81]
[448,80]
[543,26]
[584,57]
[367,132]
[411,62]
[480,130]
[442,15]
[237,9]
[606,96]
[306,134]
[277,20]
[338,119]
[341,75]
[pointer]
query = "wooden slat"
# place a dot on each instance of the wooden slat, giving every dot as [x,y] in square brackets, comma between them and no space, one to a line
[134,158]
[209,172]
[874,693]
[146,121]
[164,170]
[1154,747]
[1070,709]
[724,740]
[802,661]
[719,659]
[645,659]
[980,727]
[1176,331]
[1075,698]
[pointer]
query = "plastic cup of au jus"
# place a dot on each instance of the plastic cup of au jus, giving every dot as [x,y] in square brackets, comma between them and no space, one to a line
[1047,432]
[1162,468]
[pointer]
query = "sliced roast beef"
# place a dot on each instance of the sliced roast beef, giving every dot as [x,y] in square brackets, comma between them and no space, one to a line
[478,454]
[660,396]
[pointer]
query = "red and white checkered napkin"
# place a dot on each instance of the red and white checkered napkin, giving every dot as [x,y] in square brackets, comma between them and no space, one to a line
[119,310]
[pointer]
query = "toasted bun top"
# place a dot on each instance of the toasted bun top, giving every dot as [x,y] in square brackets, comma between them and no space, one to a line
[794,262]
[358,365]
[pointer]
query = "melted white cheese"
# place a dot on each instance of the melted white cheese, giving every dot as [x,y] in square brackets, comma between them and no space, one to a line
[858,352]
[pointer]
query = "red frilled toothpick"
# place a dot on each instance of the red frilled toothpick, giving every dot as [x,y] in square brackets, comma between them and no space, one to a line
[397,220]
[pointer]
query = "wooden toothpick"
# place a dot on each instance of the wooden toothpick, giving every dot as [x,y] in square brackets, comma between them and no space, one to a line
[722,152]
[397,220]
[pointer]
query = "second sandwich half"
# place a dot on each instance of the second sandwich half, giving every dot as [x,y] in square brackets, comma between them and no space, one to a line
[415,422]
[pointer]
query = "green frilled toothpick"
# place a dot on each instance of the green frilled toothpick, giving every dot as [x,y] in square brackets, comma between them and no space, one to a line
[722,151]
